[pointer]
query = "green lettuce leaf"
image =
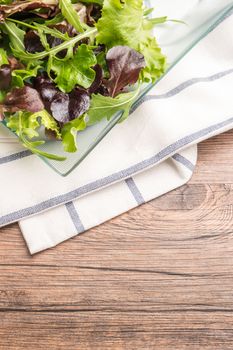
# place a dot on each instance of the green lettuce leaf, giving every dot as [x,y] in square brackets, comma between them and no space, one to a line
[6,2]
[130,27]
[2,97]
[74,71]
[25,125]
[105,106]
[3,57]
[69,134]
[20,75]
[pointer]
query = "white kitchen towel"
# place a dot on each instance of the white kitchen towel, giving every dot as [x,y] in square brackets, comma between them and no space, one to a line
[52,227]
[149,154]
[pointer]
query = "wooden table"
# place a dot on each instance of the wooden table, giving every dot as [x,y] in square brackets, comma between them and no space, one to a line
[158,277]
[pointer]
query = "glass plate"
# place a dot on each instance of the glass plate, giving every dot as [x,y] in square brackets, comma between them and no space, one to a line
[200,16]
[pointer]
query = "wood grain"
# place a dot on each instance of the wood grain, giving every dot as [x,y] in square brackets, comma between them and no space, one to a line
[158,277]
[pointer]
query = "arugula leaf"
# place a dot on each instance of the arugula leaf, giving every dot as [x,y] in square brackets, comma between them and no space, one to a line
[25,56]
[55,20]
[69,134]
[52,31]
[70,14]
[16,35]
[130,27]
[75,71]
[41,38]
[105,106]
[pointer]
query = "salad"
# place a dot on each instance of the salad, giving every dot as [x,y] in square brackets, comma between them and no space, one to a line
[65,65]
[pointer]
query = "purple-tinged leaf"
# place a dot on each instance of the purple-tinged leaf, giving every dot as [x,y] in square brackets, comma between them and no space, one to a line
[98,79]
[5,76]
[79,103]
[46,89]
[25,6]
[63,107]
[23,99]
[32,42]
[59,107]
[124,65]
